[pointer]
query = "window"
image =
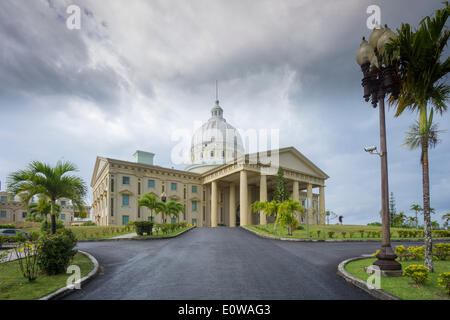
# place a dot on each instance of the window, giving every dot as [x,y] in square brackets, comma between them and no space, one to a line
[112,185]
[4,199]
[125,200]
[223,154]
[212,154]
[194,189]
[151,183]
[112,207]
[184,192]
[63,216]
[24,214]
[125,180]
[139,212]
[204,195]
[194,205]
[204,213]
[63,203]
[3,214]
[139,188]
[173,186]
[150,219]
[173,220]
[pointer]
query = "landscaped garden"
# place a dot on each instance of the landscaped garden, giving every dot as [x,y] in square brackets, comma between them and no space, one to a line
[341,232]
[14,286]
[146,230]
[417,283]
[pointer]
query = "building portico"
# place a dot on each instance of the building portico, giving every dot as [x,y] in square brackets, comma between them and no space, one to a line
[235,186]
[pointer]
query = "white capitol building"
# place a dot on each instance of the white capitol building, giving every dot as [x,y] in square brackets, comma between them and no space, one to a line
[217,187]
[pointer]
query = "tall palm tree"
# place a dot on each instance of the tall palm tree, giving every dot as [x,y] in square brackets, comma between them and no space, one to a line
[149,201]
[53,182]
[423,90]
[416,208]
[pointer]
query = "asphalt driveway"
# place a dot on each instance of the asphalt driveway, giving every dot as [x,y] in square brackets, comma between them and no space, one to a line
[220,263]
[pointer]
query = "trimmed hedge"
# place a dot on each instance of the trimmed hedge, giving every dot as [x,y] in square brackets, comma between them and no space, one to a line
[144,227]
[7,226]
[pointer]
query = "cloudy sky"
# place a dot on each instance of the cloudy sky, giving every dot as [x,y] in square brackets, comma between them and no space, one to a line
[137,71]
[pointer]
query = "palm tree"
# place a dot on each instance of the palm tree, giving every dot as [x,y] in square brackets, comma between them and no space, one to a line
[149,201]
[54,183]
[422,90]
[446,217]
[42,208]
[174,209]
[416,208]
[286,211]
[269,208]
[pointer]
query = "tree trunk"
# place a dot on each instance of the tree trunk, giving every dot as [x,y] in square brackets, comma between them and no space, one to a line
[426,206]
[53,216]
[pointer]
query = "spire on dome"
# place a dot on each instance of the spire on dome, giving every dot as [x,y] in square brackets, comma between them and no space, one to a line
[217,111]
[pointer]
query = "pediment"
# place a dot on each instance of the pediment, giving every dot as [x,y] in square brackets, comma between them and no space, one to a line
[291,158]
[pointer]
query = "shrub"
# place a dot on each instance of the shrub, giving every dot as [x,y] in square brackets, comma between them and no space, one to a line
[343,234]
[351,233]
[362,233]
[143,227]
[46,226]
[28,253]
[444,281]
[418,273]
[318,233]
[441,250]
[57,251]
[416,253]
[7,226]
[401,252]
[89,224]
[330,234]
[379,234]
[440,233]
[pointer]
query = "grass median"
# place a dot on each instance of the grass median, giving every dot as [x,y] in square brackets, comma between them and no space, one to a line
[13,286]
[404,287]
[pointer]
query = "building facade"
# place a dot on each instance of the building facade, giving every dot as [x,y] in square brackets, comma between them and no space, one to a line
[13,210]
[217,187]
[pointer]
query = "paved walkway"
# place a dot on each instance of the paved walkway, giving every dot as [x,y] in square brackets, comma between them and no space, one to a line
[126,236]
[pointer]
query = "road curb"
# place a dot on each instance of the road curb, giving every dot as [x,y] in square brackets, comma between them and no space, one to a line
[377,293]
[137,239]
[66,290]
[337,240]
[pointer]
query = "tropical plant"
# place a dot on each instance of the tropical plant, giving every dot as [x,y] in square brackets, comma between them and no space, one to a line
[27,253]
[417,209]
[286,216]
[53,182]
[422,88]
[42,209]
[270,208]
[174,209]
[149,201]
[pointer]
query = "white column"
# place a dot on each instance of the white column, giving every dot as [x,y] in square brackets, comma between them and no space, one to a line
[249,204]
[214,204]
[296,196]
[243,198]
[232,205]
[322,204]
[262,197]
[310,210]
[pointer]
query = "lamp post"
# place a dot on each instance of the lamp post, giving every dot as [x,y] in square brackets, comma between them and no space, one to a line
[379,79]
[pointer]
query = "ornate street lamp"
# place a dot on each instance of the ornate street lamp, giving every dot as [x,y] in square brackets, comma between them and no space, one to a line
[379,79]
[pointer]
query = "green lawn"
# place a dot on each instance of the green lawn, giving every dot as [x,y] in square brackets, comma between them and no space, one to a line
[403,287]
[13,286]
[93,232]
[159,234]
[352,232]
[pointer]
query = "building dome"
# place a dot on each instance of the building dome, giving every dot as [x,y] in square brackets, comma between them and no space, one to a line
[215,143]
